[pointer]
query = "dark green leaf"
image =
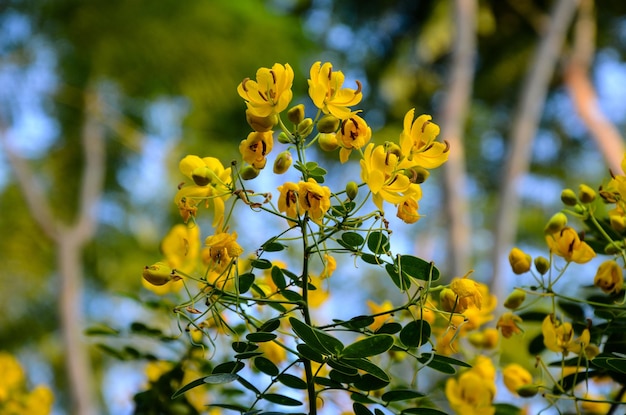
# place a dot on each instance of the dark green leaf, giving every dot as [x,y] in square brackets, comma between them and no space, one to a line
[270,325]
[342,210]
[291,295]
[242,347]
[245,282]
[368,367]
[389,328]
[572,310]
[326,382]
[292,381]
[352,239]
[445,359]
[358,322]
[307,352]
[422,411]
[101,330]
[536,346]
[247,355]
[400,280]
[400,395]
[111,351]
[317,339]
[232,407]
[378,243]
[507,409]
[228,367]
[369,346]
[266,366]
[370,383]
[415,333]
[261,263]
[372,259]
[272,246]
[281,399]
[260,337]
[417,268]
[220,378]
[359,397]
[348,370]
[279,278]
[189,386]
[339,377]
[248,385]
[141,328]
[360,409]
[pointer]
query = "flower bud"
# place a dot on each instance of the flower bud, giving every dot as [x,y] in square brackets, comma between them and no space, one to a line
[261,124]
[158,274]
[528,391]
[568,197]
[516,376]
[609,277]
[296,114]
[352,189]
[617,222]
[591,351]
[448,300]
[556,223]
[328,124]
[283,138]
[417,174]
[519,260]
[202,175]
[328,142]
[542,265]
[586,194]
[305,127]
[515,299]
[282,162]
[249,173]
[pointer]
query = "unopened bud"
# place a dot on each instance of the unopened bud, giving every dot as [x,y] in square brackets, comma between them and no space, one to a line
[283,138]
[542,265]
[568,197]
[617,222]
[249,173]
[556,223]
[417,174]
[586,194]
[261,124]
[296,114]
[352,189]
[527,391]
[328,124]
[328,142]
[305,127]
[158,274]
[448,300]
[515,299]
[519,260]
[202,175]
[282,162]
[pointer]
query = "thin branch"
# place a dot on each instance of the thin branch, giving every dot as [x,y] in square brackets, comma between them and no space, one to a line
[452,125]
[526,121]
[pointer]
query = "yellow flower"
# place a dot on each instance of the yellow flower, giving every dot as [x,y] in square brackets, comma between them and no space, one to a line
[156,368]
[181,247]
[379,172]
[314,199]
[471,394]
[39,401]
[568,245]
[486,339]
[214,184]
[288,200]
[418,142]
[318,296]
[520,261]
[270,93]
[325,89]
[407,211]
[353,134]
[515,376]
[594,405]
[609,277]
[508,324]
[559,337]
[273,351]
[255,148]
[223,247]
[379,308]
[468,293]
[330,265]
[12,375]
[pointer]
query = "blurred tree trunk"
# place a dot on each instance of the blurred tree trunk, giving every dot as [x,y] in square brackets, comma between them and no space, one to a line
[584,97]
[69,243]
[453,116]
[524,127]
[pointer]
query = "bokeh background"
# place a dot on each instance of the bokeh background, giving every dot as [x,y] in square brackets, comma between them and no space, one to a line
[99,100]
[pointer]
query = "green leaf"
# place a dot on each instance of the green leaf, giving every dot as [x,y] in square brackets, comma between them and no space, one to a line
[101,330]
[326,382]
[401,280]
[415,333]
[422,411]
[261,263]
[366,366]
[352,239]
[248,385]
[272,246]
[575,311]
[228,367]
[417,268]
[444,359]
[242,347]
[318,340]
[220,378]
[357,322]
[378,243]
[359,397]
[507,409]
[247,355]
[260,337]
[281,399]
[343,368]
[232,407]
[307,352]
[245,282]
[278,278]
[401,395]
[266,366]
[189,386]
[369,346]
[270,325]
[372,259]
[360,409]
[292,381]
[291,295]
[340,377]
[389,328]
[370,383]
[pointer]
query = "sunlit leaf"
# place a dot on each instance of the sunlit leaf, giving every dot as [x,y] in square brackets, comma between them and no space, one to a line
[378,243]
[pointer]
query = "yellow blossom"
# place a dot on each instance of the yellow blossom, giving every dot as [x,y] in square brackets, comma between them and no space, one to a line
[567,244]
[39,401]
[330,265]
[12,375]
[273,351]
[520,261]
[319,295]
[609,277]
[594,405]
[515,376]
[418,142]
[407,211]
[471,394]
[559,336]
[288,200]
[468,293]
[181,247]
[314,199]
[379,308]
[222,248]
[485,339]
[156,368]
[325,89]
[270,93]
[508,324]
[255,148]
[353,134]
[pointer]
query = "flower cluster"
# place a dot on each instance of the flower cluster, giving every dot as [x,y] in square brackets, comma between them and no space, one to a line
[15,398]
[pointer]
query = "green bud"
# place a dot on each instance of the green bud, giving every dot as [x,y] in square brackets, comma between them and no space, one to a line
[586,194]
[283,138]
[283,162]
[328,124]
[556,223]
[296,114]
[515,299]
[328,141]
[249,173]
[352,189]
[527,391]
[261,124]
[568,197]
[158,274]
[305,127]
[202,175]
[542,265]
[417,174]
[613,248]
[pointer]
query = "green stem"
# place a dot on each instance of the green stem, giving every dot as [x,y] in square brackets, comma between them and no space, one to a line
[307,317]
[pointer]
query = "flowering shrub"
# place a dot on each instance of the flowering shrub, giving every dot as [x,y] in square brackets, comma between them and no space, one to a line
[254,343]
